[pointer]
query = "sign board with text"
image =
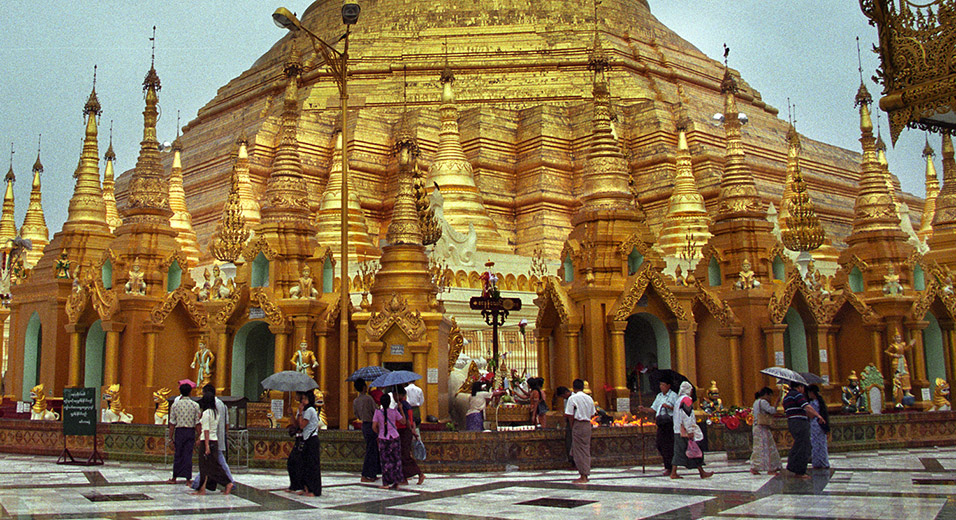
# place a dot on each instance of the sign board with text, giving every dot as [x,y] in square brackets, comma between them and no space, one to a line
[79,411]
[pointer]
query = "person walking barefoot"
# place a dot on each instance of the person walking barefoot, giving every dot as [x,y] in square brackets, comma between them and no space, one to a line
[685,431]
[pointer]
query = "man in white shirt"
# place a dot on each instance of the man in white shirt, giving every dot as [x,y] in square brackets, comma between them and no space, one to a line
[663,410]
[416,398]
[579,408]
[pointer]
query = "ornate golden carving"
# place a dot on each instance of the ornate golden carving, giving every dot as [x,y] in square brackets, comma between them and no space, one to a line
[262,299]
[197,311]
[259,245]
[231,231]
[396,312]
[456,343]
[718,307]
[231,303]
[645,276]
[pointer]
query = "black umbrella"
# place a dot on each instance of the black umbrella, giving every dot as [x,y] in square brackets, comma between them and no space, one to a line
[655,375]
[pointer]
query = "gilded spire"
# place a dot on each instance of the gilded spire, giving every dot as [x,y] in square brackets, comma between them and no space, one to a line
[454,176]
[329,222]
[148,187]
[738,192]
[406,147]
[286,197]
[109,198]
[932,191]
[248,201]
[687,218]
[87,211]
[8,226]
[34,223]
[231,231]
[884,164]
[793,164]
[606,175]
[874,208]
[945,217]
[800,227]
[181,220]
[404,227]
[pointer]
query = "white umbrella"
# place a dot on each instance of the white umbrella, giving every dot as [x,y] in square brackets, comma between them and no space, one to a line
[784,373]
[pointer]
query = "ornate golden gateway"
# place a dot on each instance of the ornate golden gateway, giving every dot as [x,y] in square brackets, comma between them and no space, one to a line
[917,47]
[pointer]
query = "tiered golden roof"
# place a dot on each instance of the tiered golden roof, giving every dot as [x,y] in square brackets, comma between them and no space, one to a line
[109,198]
[687,218]
[932,190]
[34,223]
[181,220]
[8,226]
[738,192]
[800,228]
[232,231]
[454,176]
[87,210]
[874,208]
[329,220]
[148,188]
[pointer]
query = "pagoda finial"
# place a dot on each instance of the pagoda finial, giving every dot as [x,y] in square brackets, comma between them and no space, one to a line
[447,75]
[149,187]
[863,96]
[800,227]
[8,227]
[152,78]
[729,84]
[38,166]
[113,219]
[93,103]
[932,192]
[34,223]
[10,176]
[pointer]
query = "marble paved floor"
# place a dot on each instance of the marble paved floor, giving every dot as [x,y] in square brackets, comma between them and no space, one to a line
[913,484]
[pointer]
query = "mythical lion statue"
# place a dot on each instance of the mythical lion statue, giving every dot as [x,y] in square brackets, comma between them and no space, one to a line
[941,396]
[161,398]
[115,412]
[39,412]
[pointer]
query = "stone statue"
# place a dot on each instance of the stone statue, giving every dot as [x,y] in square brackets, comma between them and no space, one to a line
[901,376]
[712,402]
[891,283]
[39,410]
[61,268]
[306,287]
[304,360]
[679,276]
[852,395]
[320,405]
[114,411]
[136,284]
[748,278]
[161,398]
[941,396]
[947,281]
[203,361]
[77,275]
[202,291]
[220,289]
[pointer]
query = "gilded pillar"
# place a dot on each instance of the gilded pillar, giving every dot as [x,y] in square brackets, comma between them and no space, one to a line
[618,367]
[76,355]
[323,362]
[774,337]
[223,360]
[834,369]
[111,354]
[574,359]
[281,348]
[949,338]
[686,361]
[876,339]
[914,331]
[420,366]
[733,341]
[543,337]
[151,357]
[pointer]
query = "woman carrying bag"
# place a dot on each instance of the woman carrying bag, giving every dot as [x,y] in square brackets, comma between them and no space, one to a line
[765,456]
[686,435]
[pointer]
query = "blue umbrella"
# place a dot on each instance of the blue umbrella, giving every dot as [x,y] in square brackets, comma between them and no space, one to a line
[398,377]
[368,373]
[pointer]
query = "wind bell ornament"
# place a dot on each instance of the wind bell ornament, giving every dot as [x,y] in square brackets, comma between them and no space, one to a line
[493,307]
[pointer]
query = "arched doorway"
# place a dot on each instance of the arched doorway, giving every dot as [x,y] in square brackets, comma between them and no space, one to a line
[31,355]
[933,350]
[253,359]
[795,342]
[646,341]
[93,362]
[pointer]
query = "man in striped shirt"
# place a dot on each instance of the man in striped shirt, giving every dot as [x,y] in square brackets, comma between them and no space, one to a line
[799,413]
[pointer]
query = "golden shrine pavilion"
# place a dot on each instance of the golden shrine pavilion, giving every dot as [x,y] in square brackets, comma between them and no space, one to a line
[577,152]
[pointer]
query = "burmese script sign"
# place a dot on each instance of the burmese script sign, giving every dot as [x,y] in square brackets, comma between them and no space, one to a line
[79,411]
[484,303]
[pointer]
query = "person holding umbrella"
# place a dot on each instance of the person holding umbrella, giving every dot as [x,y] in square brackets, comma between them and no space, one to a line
[663,409]
[310,471]
[799,412]
[364,407]
[385,423]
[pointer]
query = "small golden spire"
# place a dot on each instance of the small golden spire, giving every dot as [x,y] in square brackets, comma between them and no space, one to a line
[87,210]
[231,231]
[454,175]
[8,226]
[181,220]
[686,225]
[800,228]
[738,192]
[109,198]
[250,205]
[932,191]
[148,188]
[404,227]
[329,219]
[945,217]
[34,223]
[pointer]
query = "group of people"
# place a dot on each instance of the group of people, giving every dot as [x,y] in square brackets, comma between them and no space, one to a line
[808,423]
[677,429]
[208,421]
[390,424]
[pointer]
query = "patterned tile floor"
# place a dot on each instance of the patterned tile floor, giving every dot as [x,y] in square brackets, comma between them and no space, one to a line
[913,484]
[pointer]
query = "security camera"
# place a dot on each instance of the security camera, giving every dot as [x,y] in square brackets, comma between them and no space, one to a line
[350,13]
[718,119]
[164,146]
[743,118]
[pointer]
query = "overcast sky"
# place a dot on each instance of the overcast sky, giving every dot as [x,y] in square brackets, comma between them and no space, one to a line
[47,56]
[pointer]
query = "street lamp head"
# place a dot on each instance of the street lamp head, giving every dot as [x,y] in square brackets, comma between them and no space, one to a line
[285,19]
[350,13]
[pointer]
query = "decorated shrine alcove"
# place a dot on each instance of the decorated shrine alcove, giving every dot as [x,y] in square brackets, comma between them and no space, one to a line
[94,349]
[646,341]
[253,358]
[31,355]
[795,348]
[933,351]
